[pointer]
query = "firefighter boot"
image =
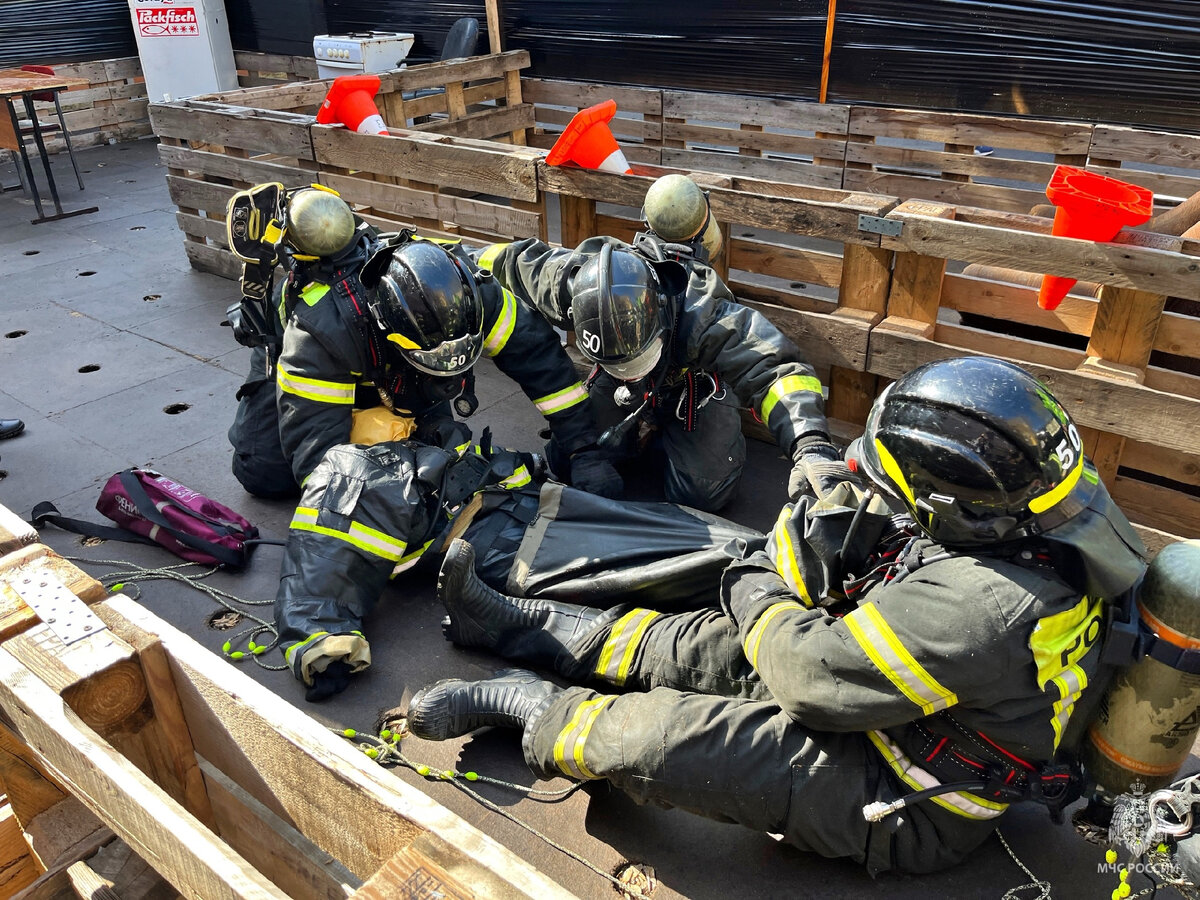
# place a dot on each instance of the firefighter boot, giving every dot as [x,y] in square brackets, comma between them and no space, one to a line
[536,631]
[512,698]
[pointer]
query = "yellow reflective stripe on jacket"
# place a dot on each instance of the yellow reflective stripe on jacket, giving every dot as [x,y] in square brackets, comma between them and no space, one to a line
[568,748]
[754,638]
[1059,642]
[368,539]
[502,330]
[487,258]
[616,656]
[519,478]
[960,802]
[338,392]
[560,400]
[783,554]
[788,384]
[891,657]
[313,291]
[407,562]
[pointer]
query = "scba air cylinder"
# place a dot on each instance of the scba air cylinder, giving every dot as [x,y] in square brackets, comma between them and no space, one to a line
[1148,720]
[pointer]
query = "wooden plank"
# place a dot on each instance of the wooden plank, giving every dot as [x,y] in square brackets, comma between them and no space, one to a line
[1135,411]
[408,873]
[732,164]
[213,260]
[578,219]
[15,532]
[1164,184]
[1146,457]
[229,126]
[222,165]
[1178,334]
[309,777]
[621,228]
[1126,325]
[485,124]
[553,92]
[781,261]
[18,868]
[823,340]
[1146,145]
[135,808]
[935,162]
[495,20]
[1014,303]
[1122,262]
[942,191]
[202,227]
[430,159]
[195,194]
[623,127]
[916,290]
[961,128]
[769,141]
[439,74]
[409,202]
[769,111]
[1157,506]
[273,846]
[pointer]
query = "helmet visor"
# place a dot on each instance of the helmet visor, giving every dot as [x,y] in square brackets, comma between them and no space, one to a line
[447,358]
[636,367]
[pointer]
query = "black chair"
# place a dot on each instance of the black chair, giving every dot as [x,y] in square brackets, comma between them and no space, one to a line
[461,41]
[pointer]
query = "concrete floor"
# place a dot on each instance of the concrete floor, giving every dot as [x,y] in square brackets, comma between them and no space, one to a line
[113,352]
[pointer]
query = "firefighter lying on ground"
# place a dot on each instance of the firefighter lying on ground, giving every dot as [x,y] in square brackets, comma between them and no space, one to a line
[394,327]
[674,353]
[369,513]
[861,662]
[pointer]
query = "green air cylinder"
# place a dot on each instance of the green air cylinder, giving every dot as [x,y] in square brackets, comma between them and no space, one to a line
[1147,722]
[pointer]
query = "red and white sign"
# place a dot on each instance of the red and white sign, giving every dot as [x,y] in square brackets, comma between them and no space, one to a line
[167,21]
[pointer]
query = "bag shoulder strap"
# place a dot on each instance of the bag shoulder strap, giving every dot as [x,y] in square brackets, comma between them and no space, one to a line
[47,512]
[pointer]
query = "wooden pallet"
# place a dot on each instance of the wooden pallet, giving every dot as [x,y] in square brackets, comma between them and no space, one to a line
[135,731]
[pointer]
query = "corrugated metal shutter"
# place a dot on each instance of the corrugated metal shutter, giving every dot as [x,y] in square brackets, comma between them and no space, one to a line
[47,32]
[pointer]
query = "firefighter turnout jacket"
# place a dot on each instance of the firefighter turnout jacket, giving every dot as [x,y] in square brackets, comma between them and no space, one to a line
[326,369]
[712,333]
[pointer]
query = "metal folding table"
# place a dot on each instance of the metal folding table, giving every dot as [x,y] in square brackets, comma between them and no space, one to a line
[16,83]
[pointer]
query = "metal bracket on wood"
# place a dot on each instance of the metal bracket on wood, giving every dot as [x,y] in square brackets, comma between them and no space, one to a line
[65,615]
[880,225]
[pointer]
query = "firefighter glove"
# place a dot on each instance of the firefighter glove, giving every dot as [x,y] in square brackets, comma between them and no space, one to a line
[592,471]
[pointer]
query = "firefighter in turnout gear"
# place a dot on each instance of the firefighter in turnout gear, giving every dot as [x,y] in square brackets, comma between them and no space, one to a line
[405,333]
[882,679]
[675,356]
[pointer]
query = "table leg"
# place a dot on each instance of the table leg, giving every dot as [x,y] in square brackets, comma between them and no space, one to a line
[37,200]
[41,145]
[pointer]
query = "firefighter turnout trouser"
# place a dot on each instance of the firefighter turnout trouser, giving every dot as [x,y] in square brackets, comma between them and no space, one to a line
[732,757]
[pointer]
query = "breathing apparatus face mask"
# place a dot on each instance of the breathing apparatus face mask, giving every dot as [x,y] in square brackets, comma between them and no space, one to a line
[636,367]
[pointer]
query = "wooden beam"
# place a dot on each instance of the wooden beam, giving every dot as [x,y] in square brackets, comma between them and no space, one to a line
[495,22]
[185,852]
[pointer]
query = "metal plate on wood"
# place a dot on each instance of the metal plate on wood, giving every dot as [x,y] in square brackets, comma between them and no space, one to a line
[65,615]
[880,225]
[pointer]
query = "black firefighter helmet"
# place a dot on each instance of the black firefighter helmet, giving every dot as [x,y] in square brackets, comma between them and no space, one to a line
[981,453]
[427,304]
[620,307]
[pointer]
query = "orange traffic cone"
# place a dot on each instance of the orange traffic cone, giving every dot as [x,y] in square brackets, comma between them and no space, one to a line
[350,102]
[1092,207]
[588,141]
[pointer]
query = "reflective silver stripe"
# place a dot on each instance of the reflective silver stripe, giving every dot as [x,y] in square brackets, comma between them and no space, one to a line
[411,560]
[568,748]
[314,389]
[892,658]
[502,330]
[754,638]
[519,478]
[365,538]
[1070,685]
[782,552]
[960,802]
[616,656]
[560,400]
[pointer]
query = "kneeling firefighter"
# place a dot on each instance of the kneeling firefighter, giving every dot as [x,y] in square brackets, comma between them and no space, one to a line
[316,238]
[917,634]
[675,357]
[388,349]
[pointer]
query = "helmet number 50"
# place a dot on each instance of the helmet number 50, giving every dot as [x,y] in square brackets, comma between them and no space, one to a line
[1068,449]
[590,341]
